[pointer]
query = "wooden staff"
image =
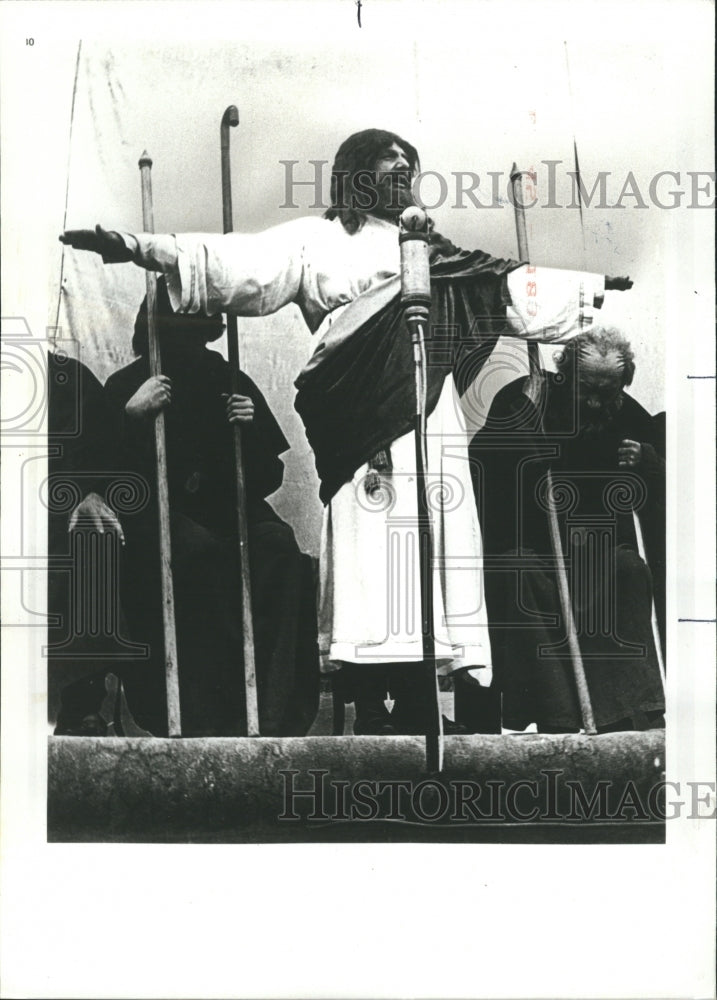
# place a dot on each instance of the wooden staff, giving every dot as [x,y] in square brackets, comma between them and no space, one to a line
[165,545]
[536,393]
[230,119]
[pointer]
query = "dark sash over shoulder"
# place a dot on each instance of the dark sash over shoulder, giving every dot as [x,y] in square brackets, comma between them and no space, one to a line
[356,394]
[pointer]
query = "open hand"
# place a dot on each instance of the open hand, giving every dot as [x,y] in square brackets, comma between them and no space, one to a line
[151,397]
[240,409]
[109,245]
[94,513]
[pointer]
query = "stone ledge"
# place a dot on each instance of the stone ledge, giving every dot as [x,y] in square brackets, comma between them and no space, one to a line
[233,790]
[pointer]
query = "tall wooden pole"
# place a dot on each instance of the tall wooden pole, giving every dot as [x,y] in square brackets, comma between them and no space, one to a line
[165,545]
[536,394]
[230,119]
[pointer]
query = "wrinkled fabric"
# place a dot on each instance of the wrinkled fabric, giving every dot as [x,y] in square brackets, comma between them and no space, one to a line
[361,394]
[531,656]
[199,439]
[611,586]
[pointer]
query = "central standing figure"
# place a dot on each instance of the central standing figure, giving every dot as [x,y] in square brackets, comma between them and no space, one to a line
[356,397]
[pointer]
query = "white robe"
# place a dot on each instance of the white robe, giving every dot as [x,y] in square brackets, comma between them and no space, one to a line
[369,604]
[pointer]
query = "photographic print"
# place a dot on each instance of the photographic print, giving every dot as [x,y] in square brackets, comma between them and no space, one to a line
[358,430]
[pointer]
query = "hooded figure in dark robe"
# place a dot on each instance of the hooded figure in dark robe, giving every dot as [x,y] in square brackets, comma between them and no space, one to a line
[606,454]
[86,634]
[194,394]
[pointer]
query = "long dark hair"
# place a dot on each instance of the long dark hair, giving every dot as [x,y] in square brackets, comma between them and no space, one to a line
[359,153]
[208,328]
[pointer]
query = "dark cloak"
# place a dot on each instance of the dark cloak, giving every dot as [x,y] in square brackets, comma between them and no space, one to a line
[201,474]
[83,457]
[509,459]
[83,443]
[200,453]
[360,396]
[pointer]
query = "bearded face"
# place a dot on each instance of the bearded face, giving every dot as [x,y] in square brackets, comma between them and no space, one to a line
[373,174]
[386,188]
[393,182]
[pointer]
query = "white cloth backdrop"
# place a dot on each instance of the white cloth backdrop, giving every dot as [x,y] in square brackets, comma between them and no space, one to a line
[170,100]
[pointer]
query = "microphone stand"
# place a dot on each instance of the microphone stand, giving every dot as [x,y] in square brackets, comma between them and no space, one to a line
[416,300]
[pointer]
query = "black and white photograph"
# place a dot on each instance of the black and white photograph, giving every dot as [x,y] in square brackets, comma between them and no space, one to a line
[358,499]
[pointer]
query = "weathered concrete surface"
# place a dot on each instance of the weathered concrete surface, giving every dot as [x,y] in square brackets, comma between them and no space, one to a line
[234,791]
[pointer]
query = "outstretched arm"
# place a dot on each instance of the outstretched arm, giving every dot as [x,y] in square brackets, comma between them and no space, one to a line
[109,245]
[248,275]
[550,305]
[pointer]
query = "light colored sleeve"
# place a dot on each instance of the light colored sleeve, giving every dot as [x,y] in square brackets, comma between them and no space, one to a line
[551,305]
[248,275]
